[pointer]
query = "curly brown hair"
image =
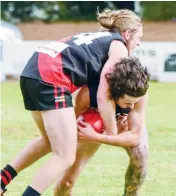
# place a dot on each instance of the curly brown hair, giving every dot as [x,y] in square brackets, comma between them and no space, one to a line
[128,77]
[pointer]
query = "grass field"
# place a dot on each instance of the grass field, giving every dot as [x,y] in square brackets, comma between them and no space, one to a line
[104,175]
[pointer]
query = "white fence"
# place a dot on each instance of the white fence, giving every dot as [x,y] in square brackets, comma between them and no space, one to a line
[158,57]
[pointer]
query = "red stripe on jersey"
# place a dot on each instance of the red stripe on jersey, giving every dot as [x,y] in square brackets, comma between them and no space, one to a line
[55,97]
[74,88]
[51,71]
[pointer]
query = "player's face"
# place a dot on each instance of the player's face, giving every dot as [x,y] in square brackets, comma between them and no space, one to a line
[127,101]
[134,39]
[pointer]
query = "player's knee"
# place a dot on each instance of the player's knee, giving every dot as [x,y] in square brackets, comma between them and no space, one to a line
[44,140]
[68,158]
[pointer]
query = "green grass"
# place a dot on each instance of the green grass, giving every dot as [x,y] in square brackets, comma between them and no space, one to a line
[104,175]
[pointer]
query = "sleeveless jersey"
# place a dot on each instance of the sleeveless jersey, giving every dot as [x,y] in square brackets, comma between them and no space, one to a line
[77,60]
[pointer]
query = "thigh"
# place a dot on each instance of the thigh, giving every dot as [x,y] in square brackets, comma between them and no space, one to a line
[37,116]
[61,129]
[84,150]
[82,101]
[85,98]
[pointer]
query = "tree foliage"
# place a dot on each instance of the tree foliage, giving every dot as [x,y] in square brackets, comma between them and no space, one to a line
[156,11]
[53,11]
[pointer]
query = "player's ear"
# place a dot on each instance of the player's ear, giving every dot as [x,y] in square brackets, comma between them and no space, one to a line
[128,34]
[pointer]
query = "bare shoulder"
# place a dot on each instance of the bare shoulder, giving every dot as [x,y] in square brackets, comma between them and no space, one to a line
[118,47]
[117,51]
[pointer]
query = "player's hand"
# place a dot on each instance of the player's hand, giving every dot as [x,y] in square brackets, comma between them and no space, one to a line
[86,133]
[122,123]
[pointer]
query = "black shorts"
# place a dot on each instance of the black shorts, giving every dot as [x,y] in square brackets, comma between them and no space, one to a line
[39,95]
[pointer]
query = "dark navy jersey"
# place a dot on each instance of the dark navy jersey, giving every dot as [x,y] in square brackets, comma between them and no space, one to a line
[78,59]
[93,89]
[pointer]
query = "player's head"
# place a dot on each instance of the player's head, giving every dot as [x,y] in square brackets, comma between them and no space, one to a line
[126,22]
[128,82]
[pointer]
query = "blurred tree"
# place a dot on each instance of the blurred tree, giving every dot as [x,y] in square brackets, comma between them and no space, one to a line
[159,10]
[124,5]
[4,6]
[53,11]
[16,10]
[80,10]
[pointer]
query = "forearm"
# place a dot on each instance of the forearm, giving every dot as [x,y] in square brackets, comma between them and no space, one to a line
[125,139]
[107,113]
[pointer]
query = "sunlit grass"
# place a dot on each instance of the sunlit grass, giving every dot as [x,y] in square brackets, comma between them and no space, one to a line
[104,175]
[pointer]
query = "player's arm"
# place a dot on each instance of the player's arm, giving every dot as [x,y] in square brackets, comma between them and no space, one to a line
[106,106]
[136,120]
[130,138]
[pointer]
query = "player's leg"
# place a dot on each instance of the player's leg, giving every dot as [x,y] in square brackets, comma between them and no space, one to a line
[33,151]
[82,101]
[63,138]
[36,149]
[40,146]
[137,168]
[85,151]
[55,104]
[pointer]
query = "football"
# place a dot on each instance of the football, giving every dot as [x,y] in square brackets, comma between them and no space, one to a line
[94,119]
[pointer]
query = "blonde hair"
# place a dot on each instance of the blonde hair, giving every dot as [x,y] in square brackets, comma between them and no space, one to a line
[120,19]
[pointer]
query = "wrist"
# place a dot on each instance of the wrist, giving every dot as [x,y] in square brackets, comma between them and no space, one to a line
[100,138]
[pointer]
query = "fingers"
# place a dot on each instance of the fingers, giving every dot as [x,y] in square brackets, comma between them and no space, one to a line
[81,137]
[80,118]
[80,134]
[122,118]
[85,124]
